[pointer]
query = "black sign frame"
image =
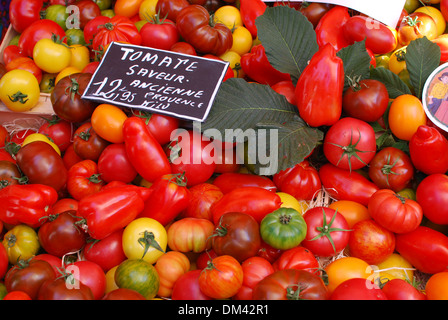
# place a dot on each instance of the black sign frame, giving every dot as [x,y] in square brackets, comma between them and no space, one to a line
[158,81]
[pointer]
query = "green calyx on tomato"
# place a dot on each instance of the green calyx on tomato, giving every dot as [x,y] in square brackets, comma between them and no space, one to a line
[326,229]
[148,240]
[285,228]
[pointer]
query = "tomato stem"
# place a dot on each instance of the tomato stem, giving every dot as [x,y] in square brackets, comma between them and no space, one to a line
[326,229]
[18,96]
[148,240]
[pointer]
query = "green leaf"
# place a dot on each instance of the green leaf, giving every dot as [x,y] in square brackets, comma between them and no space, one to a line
[422,58]
[356,61]
[289,143]
[241,105]
[395,86]
[288,38]
[244,111]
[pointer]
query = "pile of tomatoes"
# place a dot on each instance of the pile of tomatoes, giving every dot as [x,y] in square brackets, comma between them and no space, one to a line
[95,204]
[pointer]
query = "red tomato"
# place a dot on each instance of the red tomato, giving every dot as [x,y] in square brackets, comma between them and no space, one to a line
[366,100]
[159,34]
[88,10]
[357,289]
[399,289]
[290,284]
[379,38]
[371,242]
[222,278]
[107,252]
[118,28]
[189,153]
[255,269]
[183,47]
[70,157]
[23,13]
[60,234]
[395,212]
[60,131]
[160,126]
[237,235]
[87,144]
[345,185]
[255,201]
[84,179]
[115,156]
[428,150]
[11,52]
[4,262]
[42,28]
[25,63]
[431,194]
[297,258]
[92,27]
[29,277]
[350,144]
[91,275]
[193,23]
[202,198]
[327,231]
[287,89]
[59,289]
[391,168]
[301,181]
[187,287]
[426,249]
[227,182]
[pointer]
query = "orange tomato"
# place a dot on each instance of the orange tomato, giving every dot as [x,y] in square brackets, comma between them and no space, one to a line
[347,268]
[351,210]
[107,121]
[406,114]
[437,286]
[127,8]
[170,267]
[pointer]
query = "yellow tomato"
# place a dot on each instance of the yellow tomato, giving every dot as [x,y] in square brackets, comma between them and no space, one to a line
[288,201]
[65,72]
[351,210]
[19,90]
[395,267]
[21,243]
[397,62]
[406,114]
[235,63]
[437,15]
[242,40]
[347,268]
[145,238]
[110,280]
[80,56]
[229,16]
[51,56]
[147,9]
[40,137]
[107,121]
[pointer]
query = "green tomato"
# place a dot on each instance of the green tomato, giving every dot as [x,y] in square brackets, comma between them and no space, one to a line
[138,275]
[57,13]
[75,36]
[103,4]
[283,229]
[108,13]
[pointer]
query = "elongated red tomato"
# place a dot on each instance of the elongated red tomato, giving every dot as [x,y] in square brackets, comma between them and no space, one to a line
[145,153]
[255,201]
[345,185]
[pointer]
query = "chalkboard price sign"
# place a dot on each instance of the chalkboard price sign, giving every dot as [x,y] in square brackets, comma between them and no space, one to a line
[157,81]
